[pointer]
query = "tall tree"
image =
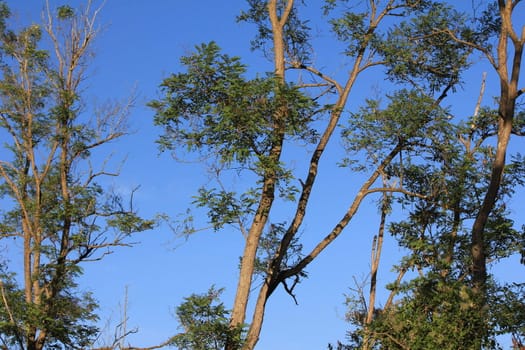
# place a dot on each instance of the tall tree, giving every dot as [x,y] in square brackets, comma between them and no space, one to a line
[477,180]
[55,204]
[245,124]
[438,305]
[498,21]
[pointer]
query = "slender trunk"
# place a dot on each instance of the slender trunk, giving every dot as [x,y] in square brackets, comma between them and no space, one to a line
[507,103]
[268,191]
[274,275]
[249,254]
[258,317]
[377,245]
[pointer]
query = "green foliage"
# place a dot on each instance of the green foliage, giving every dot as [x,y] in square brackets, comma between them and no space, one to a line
[421,49]
[449,164]
[65,12]
[508,309]
[223,207]
[205,323]
[213,110]
[440,313]
[437,315]
[60,317]
[410,120]
[57,211]
[487,25]
[416,48]
[351,28]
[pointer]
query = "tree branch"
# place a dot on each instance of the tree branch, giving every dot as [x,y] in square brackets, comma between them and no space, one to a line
[286,13]
[333,82]
[480,48]
[343,222]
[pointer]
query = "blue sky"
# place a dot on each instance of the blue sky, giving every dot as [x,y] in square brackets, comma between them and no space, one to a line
[140,44]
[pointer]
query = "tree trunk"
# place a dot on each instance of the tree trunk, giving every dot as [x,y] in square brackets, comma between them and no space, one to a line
[509,92]
[507,103]
[268,192]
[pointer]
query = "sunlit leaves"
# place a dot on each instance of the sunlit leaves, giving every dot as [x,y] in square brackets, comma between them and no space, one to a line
[411,119]
[420,50]
[205,324]
[436,315]
[224,207]
[213,110]
[351,29]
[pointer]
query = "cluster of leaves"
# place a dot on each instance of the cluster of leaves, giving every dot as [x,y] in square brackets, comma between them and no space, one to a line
[268,246]
[405,47]
[205,322]
[69,318]
[212,109]
[410,120]
[437,312]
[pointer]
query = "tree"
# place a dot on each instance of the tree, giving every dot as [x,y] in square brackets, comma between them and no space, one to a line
[438,306]
[56,204]
[497,22]
[477,179]
[212,110]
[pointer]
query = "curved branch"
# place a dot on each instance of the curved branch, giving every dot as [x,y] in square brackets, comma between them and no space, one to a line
[480,48]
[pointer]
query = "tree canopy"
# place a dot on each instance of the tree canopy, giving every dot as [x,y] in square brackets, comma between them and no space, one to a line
[442,181]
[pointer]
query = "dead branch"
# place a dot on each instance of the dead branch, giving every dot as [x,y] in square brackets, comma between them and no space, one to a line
[481,93]
[331,81]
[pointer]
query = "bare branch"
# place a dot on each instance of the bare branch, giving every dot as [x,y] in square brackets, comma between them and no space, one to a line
[161,345]
[370,63]
[396,190]
[313,70]
[289,290]
[305,86]
[394,291]
[480,96]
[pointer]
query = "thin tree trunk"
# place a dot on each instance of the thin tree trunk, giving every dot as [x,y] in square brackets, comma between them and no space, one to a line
[507,102]
[268,191]
[377,246]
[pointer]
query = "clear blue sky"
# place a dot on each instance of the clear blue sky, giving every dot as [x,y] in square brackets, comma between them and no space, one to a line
[139,45]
